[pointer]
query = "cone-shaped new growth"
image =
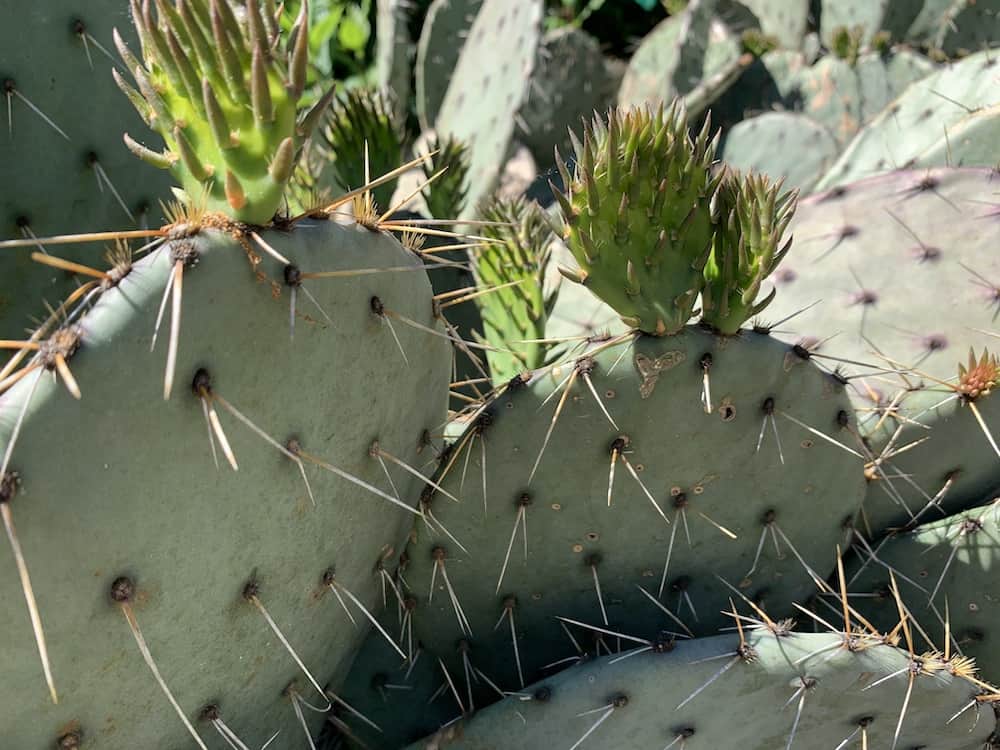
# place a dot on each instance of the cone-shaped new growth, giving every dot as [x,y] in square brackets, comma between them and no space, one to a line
[224,99]
[445,196]
[363,119]
[516,312]
[638,217]
[752,215]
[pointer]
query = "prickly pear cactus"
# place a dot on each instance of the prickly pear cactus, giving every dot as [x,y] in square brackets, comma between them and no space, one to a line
[677,55]
[572,80]
[788,690]
[638,215]
[575,503]
[199,583]
[781,144]
[917,119]
[854,246]
[56,74]
[480,103]
[786,21]
[394,53]
[447,21]
[178,521]
[514,265]
[942,568]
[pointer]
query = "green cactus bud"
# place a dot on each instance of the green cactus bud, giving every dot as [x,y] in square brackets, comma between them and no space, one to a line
[223,99]
[638,216]
[753,214]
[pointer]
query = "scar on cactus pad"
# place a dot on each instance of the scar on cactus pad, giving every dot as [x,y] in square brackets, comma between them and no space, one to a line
[652,225]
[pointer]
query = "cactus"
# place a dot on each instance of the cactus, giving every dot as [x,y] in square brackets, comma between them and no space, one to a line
[611,500]
[916,120]
[748,246]
[363,139]
[787,690]
[781,144]
[56,76]
[394,54]
[514,266]
[970,27]
[639,251]
[572,80]
[941,568]
[852,247]
[678,54]
[224,104]
[437,53]
[966,143]
[479,106]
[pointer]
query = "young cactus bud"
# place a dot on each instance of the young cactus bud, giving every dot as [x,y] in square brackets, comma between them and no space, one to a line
[751,214]
[445,196]
[637,214]
[515,268]
[224,99]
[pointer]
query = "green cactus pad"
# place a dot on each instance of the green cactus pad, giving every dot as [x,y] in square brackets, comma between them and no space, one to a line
[572,80]
[447,23]
[796,690]
[637,215]
[917,119]
[224,99]
[122,483]
[781,144]
[652,388]
[883,77]
[906,268]
[971,26]
[54,57]
[953,558]
[677,55]
[516,314]
[894,17]
[481,102]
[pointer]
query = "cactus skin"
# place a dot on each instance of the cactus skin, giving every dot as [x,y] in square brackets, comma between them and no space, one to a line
[568,519]
[393,53]
[677,55]
[970,142]
[748,698]
[123,483]
[231,144]
[480,104]
[748,246]
[853,245]
[782,145]
[518,313]
[437,53]
[953,558]
[47,63]
[637,215]
[912,125]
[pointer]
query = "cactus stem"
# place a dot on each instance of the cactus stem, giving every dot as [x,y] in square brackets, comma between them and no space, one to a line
[123,593]
[260,92]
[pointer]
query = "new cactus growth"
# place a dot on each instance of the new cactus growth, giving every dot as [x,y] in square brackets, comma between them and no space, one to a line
[753,214]
[224,100]
[514,314]
[638,215]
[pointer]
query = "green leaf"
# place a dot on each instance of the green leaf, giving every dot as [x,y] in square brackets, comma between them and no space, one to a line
[354,30]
